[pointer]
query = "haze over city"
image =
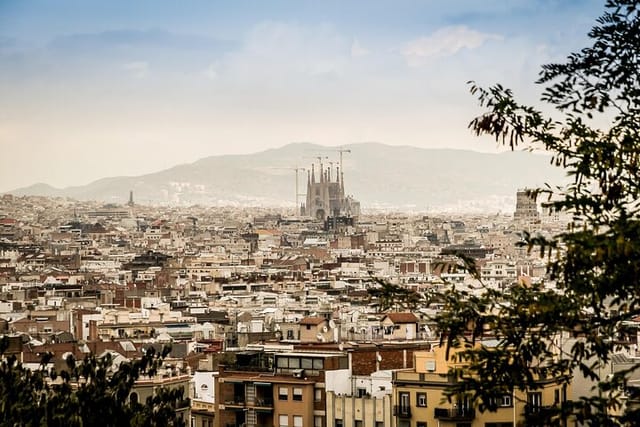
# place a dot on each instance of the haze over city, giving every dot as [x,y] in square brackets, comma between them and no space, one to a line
[98,89]
[320,213]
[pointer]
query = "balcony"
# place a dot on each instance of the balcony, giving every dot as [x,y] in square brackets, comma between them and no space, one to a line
[402,411]
[540,415]
[265,402]
[454,414]
[237,402]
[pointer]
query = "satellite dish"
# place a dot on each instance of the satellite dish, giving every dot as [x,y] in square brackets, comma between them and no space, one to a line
[319,337]
[379,358]
[325,329]
[340,346]
[277,327]
[332,323]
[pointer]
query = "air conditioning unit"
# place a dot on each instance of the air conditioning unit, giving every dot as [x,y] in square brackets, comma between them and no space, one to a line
[298,373]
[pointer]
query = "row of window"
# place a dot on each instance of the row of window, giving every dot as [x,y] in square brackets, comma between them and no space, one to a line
[404,423]
[300,363]
[283,393]
[404,399]
[283,420]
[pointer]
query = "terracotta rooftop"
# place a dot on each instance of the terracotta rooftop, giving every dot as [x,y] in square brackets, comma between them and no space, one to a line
[312,320]
[402,317]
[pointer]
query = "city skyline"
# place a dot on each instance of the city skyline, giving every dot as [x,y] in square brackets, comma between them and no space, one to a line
[105,89]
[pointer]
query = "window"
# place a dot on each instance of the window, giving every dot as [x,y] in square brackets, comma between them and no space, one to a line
[534,401]
[421,424]
[404,400]
[283,420]
[283,393]
[297,421]
[339,422]
[317,394]
[506,400]
[358,423]
[360,392]
[379,424]
[318,421]
[297,393]
[343,363]
[421,400]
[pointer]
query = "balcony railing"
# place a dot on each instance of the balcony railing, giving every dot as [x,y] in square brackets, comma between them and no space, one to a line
[454,414]
[236,401]
[402,411]
[540,415]
[265,402]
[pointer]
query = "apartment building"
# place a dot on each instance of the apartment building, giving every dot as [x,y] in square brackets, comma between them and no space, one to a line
[283,389]
[419,398]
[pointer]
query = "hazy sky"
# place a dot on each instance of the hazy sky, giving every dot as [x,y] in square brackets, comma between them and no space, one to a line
[95,89]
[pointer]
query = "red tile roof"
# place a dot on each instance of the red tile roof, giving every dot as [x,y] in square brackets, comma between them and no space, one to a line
[402,317]
[312,320]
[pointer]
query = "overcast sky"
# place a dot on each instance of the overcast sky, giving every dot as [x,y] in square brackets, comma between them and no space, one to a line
[96,89]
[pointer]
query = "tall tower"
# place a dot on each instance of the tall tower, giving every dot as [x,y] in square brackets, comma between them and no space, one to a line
[526,207]
[326,197]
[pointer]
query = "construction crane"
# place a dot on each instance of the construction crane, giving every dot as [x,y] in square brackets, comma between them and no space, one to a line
[339,150]
[297,170]
[319,159]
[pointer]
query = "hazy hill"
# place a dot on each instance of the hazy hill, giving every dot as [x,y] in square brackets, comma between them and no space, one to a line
[378,175]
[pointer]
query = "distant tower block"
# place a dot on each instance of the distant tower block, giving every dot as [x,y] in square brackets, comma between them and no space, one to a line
[130,198]
[526,207]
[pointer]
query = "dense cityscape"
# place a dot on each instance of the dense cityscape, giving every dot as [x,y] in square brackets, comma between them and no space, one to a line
[270,315]
[177,250]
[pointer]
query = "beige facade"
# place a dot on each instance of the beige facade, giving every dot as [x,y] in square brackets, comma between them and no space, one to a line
[202,414]
[400,326]
[418,398]
[351,411]
[258,400]
[145,388]
[315,329]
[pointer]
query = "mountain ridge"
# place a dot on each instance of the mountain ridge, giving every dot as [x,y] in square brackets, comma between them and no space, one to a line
[377,174]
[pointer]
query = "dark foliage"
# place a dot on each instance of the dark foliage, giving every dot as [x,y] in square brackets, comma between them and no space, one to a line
[86,393]
[387,296]
[594,266]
